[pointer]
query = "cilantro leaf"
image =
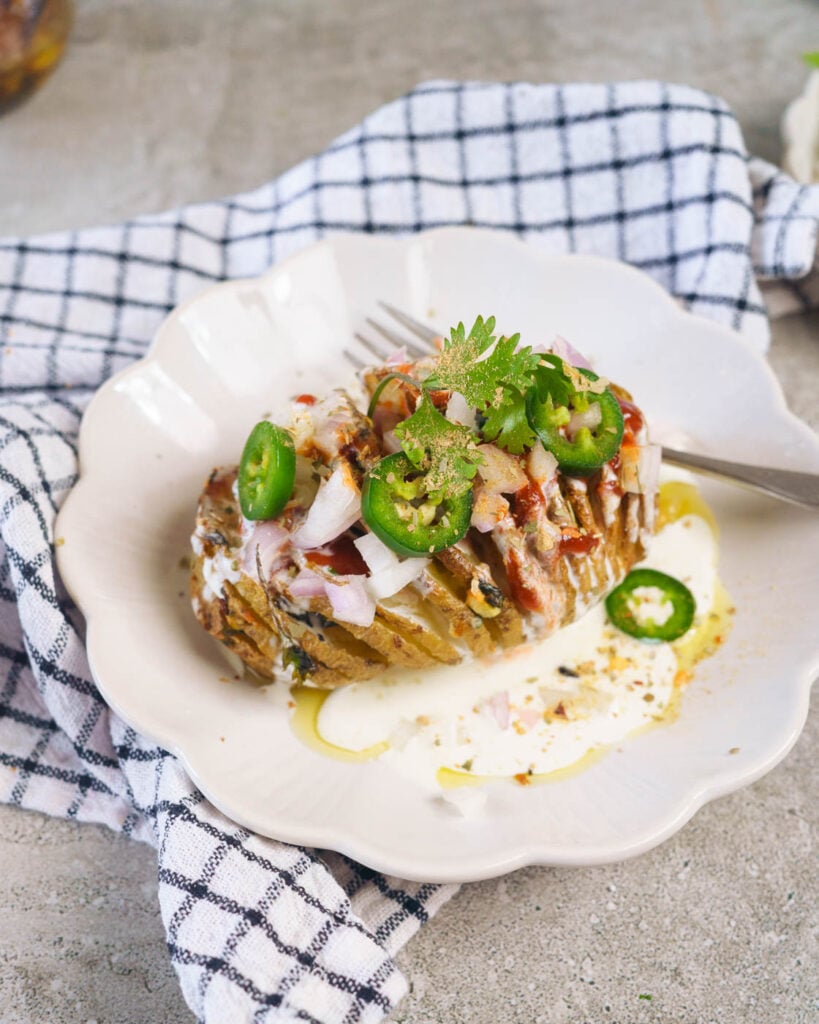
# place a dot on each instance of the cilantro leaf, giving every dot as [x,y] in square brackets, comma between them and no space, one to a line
[507,424]
[454,371]
[495,377]
[552,380]
[446,453]
[479,366]
[560,385]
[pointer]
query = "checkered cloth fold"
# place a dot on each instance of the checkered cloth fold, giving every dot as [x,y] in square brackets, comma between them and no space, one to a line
[653,174]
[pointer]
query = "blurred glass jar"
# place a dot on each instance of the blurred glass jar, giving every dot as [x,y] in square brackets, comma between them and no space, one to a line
[32,39]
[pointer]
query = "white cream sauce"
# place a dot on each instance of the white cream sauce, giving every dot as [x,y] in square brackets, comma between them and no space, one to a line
[519,714]
[221,568]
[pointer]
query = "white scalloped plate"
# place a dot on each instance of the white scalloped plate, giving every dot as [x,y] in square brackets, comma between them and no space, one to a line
[240,350]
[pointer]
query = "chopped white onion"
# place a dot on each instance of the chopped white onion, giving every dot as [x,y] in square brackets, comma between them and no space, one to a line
[541,465]
[301,426]
[389,573]
[350,599]
[332,423]
[458,410]
[590,418]
[375,553]
[335,508]
[487,509]
[563,350]
[640,468]
[390,580]
[500,471]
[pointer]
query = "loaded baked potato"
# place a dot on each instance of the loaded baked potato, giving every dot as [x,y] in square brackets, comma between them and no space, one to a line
[485,498]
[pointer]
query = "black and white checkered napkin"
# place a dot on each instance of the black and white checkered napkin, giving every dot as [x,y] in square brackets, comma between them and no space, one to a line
[653,174]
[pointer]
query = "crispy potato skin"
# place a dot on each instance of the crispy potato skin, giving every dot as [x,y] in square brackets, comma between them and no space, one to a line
[535,572]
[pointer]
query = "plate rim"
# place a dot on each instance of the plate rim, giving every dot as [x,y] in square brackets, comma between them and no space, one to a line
[363,849]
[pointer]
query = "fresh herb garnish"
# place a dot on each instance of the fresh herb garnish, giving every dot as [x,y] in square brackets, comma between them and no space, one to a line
[479,365]
[494,375]
[501,382]
[562,383]
[507,425]
[446,453]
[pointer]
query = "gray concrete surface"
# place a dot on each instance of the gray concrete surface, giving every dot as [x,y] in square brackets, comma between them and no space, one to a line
[178,100]
[165,102]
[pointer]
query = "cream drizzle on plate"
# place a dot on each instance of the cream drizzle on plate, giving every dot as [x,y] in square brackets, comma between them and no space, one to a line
[539,708]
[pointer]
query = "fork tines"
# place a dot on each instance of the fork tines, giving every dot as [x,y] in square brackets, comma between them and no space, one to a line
[388,341]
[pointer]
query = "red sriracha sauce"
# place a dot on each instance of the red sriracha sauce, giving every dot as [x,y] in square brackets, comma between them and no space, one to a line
[527,504]
[340,555]
[573,542]
[633,422]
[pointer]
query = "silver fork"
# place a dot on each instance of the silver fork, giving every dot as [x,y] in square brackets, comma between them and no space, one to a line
[787,484]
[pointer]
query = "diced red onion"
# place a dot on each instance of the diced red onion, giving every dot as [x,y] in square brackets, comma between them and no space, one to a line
[501,472]
[336,506]
[529,718]
[569,354]
[376,553]
[498,704]
[589,418]
[351,601]
[390,443]
[398,357]
[349,595]
[266,538]
[307,584]
[389,581]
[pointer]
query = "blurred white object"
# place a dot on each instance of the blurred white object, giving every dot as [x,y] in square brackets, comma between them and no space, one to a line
[800,133]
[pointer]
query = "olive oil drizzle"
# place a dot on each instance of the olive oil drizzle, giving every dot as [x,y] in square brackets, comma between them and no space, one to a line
[676,499]
[304,722]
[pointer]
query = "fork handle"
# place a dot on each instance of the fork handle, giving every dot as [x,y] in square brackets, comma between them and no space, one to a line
[801,488]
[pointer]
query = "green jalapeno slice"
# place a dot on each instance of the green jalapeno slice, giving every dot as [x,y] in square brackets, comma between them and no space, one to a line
[401,512]
[650,605]
[267,471]
[551,407]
